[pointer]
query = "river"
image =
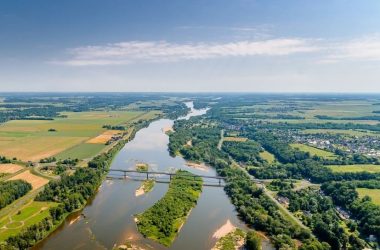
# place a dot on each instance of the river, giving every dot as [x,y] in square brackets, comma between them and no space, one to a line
[108,221]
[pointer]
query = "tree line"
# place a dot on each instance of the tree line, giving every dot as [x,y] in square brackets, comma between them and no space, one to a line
[12,190]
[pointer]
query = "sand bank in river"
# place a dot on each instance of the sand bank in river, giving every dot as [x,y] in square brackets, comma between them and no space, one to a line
[200,166]
[168,129]
[145,187]
[229,235]
[227,228]
[140,191]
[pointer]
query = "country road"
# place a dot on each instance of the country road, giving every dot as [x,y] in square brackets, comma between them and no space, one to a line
[259,183]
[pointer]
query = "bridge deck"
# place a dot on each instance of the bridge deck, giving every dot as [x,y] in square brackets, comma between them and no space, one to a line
[155,173]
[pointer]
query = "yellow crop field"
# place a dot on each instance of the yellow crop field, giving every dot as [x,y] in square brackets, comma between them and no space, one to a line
[10,168]
[35,180]
[235,139]
[104,137]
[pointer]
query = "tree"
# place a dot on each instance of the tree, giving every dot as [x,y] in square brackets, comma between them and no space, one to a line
[253,241]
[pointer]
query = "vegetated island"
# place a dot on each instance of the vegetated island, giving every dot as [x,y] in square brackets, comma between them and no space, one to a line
[142,167]
[164,219]
[145,187]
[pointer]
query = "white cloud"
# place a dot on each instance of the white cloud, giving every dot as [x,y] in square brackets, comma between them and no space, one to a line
[325,51]
[361,49]
[162,51]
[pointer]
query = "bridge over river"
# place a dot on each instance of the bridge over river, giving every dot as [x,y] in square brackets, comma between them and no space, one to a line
[163,177]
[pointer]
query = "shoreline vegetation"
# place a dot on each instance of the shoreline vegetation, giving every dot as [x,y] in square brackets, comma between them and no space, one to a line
[145,187]
[232,240]
[168,129]
[230,237]
[163,221]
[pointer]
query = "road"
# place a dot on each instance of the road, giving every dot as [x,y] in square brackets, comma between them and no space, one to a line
[260,184]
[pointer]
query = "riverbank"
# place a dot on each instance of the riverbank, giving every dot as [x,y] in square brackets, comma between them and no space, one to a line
[164,219]
[200,166]
[233,240]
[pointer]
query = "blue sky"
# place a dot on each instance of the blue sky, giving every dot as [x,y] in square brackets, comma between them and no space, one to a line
[190,45]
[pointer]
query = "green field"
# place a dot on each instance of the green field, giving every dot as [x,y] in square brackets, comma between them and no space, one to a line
[314,151]
[30,214]
[373,193]
[267,156]
[355,168]
[30,139]
[81,151]
[340,131]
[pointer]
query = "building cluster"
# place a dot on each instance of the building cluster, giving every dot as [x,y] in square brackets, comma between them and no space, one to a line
[364,145]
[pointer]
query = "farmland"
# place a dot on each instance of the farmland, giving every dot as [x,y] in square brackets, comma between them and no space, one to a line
[373,193]
[355,168]
[10,168]
[35,180]
[31,140]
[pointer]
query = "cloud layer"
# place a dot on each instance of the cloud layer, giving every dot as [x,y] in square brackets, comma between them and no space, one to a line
[367,48]
[162,51]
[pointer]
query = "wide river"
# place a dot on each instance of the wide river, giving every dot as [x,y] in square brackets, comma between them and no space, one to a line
[108,221]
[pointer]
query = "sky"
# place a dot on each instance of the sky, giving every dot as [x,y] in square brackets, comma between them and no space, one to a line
[190,45]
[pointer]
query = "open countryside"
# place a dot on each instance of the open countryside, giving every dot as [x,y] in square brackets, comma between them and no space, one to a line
[190,125]
[356,168]
[374,194]
[31,140]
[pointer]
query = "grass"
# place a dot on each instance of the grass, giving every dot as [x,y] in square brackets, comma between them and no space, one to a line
[270,158]
[235,139]
[314,151]
[30,139]
[231,241]
[373,193]
[28,215]
[81,151]
[355,168]
[340,131]
[148,185]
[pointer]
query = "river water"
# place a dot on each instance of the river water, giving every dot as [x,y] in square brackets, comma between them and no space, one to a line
[108,221]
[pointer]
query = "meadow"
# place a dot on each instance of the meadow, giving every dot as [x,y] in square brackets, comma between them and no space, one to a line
[30,214]
[314,151]
[355,168]
[341,131]
[235,139]
[267,156]
[373,193]
[31,140]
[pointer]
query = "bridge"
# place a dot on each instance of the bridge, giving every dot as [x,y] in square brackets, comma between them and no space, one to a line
[145,175]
